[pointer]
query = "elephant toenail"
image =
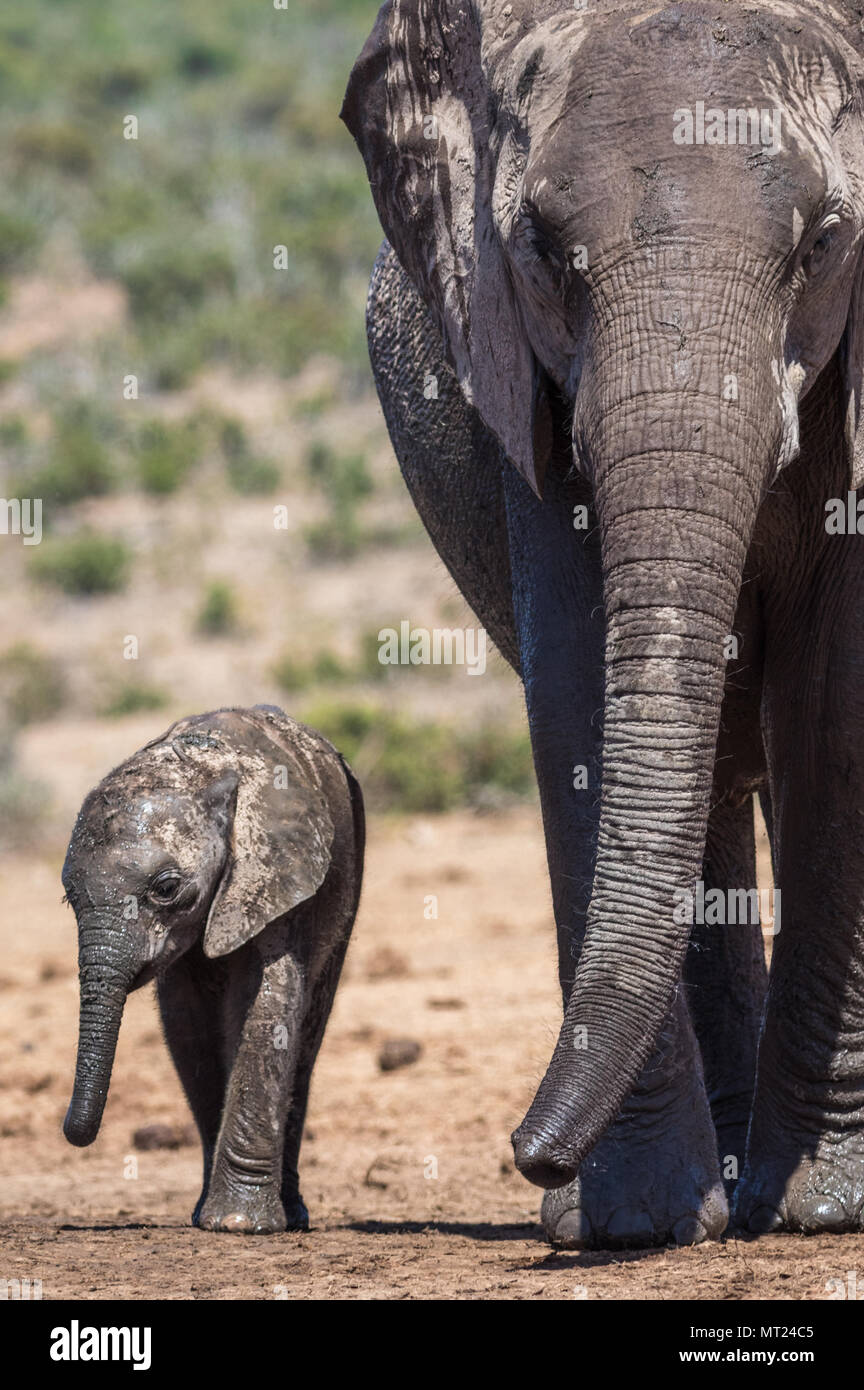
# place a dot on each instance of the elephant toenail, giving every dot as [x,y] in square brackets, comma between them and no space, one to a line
[235,1222]
[630,1226]
[763,1219]
[574,1230]
[689,1231]
[821,1213]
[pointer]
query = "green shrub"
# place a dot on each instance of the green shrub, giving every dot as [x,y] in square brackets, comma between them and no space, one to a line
[32,686]
[324,669]
[116,82]
[343,478]
[83,564]
[173,279]
[165,453]
[18,238]
[13,431]
[247,474]
[57,145]
[218,612]
[79,464]
[419,765]
[198,58]
[337,538]
[23,803]
[133,698]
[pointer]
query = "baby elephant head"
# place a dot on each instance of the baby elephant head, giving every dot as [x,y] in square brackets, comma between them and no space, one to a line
[212,831]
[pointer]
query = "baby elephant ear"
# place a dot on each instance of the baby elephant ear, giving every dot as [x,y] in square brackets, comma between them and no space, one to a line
[280,838]
[853,364]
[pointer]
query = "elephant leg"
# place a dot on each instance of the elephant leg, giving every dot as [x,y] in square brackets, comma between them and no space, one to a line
[653,1176]
[805,1161]
[726,981]
[451,464]
[314,1022]
[265,1010]
[190,995]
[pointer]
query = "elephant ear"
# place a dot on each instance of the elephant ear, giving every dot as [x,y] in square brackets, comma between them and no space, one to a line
[277,819]
[853,367]
[418,106]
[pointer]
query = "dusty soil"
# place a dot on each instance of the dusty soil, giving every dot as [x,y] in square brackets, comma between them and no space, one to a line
[408,1174]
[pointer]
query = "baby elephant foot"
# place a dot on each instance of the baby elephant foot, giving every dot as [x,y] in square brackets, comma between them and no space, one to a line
[258,1212]
[822,1194]
[296,1215]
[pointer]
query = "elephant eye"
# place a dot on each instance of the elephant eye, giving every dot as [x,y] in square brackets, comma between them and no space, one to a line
[537,237]
[817,256]
[165,886]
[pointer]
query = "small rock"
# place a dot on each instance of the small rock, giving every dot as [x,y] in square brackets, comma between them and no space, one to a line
[398,1052]
[386,964]
[164,1137]
[446,1004]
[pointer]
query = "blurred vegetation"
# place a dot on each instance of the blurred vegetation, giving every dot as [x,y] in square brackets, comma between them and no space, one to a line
[24,802]
[239,151]
[83,564]
[217,615]
[133,697]
[240,227]
[32,685]
[406,764]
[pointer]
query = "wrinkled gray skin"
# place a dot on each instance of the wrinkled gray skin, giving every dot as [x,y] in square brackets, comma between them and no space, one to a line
[225,860]
[497,139]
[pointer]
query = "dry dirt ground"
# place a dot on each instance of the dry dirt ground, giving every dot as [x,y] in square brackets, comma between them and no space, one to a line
[408,1174]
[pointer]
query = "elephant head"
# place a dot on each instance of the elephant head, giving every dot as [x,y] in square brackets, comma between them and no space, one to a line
[211,832]
[650,220]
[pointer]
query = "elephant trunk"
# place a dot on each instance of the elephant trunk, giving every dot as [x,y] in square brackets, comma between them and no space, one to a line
[106,970]
[676,504]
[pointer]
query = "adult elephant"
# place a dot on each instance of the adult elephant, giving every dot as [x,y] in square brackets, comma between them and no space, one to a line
[624,262]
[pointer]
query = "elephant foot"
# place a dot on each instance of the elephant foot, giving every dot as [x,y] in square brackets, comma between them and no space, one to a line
[823,1194]
[653,1179]
[590,1215]
[254,1213]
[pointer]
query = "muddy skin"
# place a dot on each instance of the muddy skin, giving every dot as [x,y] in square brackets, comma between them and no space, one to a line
[694,381]
[225,860]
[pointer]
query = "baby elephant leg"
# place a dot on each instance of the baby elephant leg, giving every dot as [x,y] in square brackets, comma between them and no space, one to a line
[266,1020]
[190,1001]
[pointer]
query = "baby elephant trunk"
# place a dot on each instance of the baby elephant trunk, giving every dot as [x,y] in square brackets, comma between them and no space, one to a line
[105,973]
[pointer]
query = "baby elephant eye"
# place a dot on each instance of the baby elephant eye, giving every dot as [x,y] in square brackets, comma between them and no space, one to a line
[165,887]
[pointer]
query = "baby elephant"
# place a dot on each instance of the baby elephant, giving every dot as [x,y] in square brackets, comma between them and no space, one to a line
[224,859]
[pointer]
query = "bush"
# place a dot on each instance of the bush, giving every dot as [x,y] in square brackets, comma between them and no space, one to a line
[343,478]
[174,279]
[57,145]
[198,58]
[18,237]
[133,698]
[32,686]
[79,465]
[84,564]
[218,612]
[165,454]
[23,805]
[248,475]
[418,765]
[325,669]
